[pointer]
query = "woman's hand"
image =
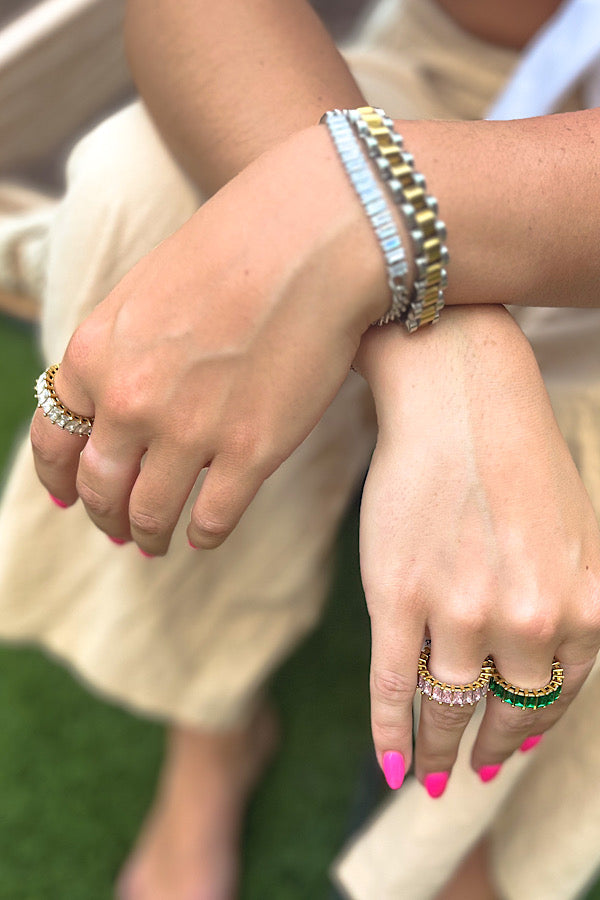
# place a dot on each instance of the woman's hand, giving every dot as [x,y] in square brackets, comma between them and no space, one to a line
[477,532]
[222,348]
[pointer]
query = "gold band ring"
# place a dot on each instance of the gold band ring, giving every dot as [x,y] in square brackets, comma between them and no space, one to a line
[452,694]
[56,411]
[524,698]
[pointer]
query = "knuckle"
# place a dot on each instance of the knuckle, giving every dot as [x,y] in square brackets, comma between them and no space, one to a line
[382,586]
[517,727]
[389,734]
[212,527]
[96,503]
[436,758]
[471,602]
[390,687]
[243,442]
[253,446]
[472,620]
[446,718]
[534,623]
[148,524]
[588,624]
[126,407]
[41,446]
[392,582]
[82,346]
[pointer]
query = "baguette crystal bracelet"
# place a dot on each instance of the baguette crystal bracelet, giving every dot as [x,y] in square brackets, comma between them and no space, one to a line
[376,206]
[419,209]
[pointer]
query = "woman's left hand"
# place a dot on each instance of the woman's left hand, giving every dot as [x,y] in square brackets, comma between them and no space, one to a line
[476,532]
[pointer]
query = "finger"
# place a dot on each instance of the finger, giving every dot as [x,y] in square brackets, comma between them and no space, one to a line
[108,468]
[56,451]
[505,728]
[455,661]
[56,458]
[396,645]
[166,480]
[227,491]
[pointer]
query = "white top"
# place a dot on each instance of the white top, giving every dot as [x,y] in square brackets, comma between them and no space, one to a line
[564,52]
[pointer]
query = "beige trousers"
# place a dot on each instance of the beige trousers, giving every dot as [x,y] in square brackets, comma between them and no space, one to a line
[192,637]
[543,810]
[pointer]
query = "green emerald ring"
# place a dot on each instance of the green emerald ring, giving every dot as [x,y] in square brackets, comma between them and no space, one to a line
[524,698]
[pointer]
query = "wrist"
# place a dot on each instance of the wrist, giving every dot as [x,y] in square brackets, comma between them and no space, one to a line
[466,341]
[356,257]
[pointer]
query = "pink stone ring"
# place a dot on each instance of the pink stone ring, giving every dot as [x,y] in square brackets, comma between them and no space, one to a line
[453,694]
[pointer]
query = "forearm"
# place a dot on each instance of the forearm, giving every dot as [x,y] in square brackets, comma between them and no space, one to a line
[227,80]
[521,203]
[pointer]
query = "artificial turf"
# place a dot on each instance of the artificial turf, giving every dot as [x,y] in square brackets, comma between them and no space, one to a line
[76,774]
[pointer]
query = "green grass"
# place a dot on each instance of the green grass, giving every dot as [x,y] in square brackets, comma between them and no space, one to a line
[76,774]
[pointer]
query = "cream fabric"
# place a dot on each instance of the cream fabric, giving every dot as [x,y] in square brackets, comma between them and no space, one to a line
[543,810]
[192,637]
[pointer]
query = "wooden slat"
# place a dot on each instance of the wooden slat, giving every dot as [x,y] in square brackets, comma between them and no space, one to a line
[60,63]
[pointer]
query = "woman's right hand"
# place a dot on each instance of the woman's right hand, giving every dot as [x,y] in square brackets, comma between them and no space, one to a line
[476,532]
[222,348]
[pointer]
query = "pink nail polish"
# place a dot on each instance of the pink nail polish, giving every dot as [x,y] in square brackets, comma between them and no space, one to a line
[393,769]
[488,773]
[435,783]
[147,555]
[116,540]
[193,547]
[531,742]
[58,502]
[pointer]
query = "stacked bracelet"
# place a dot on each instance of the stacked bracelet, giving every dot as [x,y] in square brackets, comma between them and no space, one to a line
[408,189]
[375,204]
[427,232]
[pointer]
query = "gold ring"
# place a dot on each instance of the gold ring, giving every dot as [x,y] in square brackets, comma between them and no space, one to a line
[452,694]
[524,698]
[56,411]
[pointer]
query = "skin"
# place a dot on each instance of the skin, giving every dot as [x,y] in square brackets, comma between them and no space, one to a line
[509,23]
[257,333]
[471,558]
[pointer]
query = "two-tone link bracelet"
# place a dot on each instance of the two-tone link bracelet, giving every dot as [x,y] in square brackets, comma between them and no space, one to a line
[419,209]
[376,207]
[407,189]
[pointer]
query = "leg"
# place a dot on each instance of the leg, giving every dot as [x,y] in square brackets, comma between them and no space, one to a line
[472,880]
[192,637]
[188,847]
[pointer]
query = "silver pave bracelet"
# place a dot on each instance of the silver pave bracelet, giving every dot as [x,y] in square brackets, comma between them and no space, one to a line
[376,207]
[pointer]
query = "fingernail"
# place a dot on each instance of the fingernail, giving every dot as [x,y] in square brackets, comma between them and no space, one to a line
[147,555]
[58,502]
[393,769]
[531,742]
[116,540]
[191,545]
[435,783]
[488,773]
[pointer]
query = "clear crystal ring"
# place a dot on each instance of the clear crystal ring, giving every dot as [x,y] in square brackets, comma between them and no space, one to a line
[56,411]
[453,694]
